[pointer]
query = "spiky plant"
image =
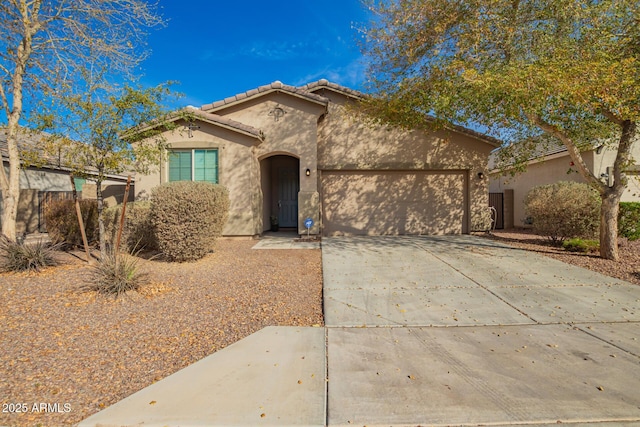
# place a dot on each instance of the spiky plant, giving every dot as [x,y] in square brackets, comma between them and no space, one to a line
[26,257]
[115,274]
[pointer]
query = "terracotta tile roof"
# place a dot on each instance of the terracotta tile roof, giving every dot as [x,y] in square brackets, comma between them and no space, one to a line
[30,144]
[276,86]
[547,146]
[324,83]
[309,90]
[29,141]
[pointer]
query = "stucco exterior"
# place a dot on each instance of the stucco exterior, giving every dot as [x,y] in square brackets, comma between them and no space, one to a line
[279,145]
[559,167]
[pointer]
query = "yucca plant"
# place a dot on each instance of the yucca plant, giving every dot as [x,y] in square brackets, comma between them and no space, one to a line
[115,274]
[26,257]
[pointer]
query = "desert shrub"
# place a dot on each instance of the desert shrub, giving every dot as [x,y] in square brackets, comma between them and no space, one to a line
[138,232]
[187,217]
[564,210]
[62,222]
[481,220]
[580,245]
[26,257]
[115,274]
[629,220]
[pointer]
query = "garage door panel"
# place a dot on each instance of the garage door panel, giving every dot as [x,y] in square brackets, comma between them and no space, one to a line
[393,202]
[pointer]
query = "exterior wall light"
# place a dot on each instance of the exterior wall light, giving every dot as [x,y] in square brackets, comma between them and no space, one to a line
[308,172]
[480,175]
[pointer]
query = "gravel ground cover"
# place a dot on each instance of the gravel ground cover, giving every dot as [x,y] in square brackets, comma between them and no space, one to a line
[628,268]
[78,353]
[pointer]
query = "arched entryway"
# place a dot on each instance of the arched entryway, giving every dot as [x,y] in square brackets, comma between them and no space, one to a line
[280,181]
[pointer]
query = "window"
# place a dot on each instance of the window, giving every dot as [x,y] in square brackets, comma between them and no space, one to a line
[193,165]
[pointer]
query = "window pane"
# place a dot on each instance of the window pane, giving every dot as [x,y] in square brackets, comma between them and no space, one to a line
[206,165]
[180,166]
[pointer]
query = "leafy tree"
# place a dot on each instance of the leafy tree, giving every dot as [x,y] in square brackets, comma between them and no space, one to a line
[98,133]
[523,69]
[43,45]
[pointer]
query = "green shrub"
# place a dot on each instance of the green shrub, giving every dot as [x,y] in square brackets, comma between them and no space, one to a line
[62,221]
[564,210]
[115,274]
[138,232]
[26,257]
[580,245]
[187,217]
[629,220]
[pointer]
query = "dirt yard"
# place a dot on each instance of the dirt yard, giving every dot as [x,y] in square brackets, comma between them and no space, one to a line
[78,353]
[628,268]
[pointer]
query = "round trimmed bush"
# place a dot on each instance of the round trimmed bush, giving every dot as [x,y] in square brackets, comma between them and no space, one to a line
[564,210]
[188,217]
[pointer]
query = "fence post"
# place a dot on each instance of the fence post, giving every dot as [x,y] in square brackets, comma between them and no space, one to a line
[124,207]
[79,215]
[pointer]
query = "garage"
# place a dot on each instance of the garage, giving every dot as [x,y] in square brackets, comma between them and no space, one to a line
[357,202]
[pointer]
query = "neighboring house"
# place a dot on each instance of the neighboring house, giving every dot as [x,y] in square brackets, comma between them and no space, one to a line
[50,181]
[291,153]
[553,164]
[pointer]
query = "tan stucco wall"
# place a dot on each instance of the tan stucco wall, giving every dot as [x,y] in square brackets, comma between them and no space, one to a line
[348,144]
[319,139]
[293,134]
[541,173]
[607,157]
[236,171]
[558,168]
[112,194]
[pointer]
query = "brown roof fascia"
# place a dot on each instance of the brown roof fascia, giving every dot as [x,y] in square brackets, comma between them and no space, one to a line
[210,118]
[224,122]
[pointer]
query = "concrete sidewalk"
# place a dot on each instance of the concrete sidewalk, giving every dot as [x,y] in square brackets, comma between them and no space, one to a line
[423,331]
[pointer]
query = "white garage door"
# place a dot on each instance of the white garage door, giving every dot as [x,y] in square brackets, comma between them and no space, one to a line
[394,202]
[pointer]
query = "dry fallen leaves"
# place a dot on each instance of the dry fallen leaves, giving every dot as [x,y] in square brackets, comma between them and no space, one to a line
[103,350]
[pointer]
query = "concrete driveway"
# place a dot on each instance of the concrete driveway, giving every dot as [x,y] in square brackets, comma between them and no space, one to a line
[460,330]
[423,331]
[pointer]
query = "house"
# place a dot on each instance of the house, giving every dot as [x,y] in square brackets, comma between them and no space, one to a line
[49,181]
[293,152]
[550,164]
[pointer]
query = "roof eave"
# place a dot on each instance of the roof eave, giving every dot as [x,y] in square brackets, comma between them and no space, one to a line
[210,118]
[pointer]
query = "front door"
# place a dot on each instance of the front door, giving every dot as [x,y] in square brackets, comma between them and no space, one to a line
[288,187]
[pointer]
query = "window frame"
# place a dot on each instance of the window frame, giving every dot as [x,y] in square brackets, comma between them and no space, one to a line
[192,152]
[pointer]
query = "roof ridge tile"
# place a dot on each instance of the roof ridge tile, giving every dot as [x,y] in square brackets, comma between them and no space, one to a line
[274,86]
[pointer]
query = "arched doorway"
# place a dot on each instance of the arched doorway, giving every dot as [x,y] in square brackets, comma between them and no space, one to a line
[280,180]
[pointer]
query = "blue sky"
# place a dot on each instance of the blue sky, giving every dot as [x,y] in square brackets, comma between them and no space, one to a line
[217,49]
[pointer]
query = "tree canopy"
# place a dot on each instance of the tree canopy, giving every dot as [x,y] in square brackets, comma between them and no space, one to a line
[45,45]
[569,69]
[96,131]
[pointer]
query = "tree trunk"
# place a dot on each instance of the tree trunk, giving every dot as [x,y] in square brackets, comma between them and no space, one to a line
[609,226]
[100,199]
[11,183]
[9,214]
